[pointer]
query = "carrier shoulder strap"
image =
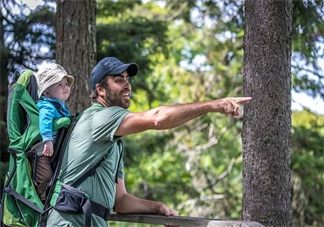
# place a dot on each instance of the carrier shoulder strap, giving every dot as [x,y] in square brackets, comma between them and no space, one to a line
[92,171]
[87,174]
[57,105]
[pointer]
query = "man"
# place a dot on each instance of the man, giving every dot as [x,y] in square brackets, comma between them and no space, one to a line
[96,138]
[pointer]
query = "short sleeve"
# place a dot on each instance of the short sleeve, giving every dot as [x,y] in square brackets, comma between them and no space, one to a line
[106,122]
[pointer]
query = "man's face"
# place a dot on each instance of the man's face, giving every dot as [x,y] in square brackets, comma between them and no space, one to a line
[119,90]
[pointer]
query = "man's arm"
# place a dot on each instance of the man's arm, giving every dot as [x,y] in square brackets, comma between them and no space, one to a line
[127,203]
[166,117]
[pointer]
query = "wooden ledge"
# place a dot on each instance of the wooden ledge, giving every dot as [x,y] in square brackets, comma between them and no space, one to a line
[180,220]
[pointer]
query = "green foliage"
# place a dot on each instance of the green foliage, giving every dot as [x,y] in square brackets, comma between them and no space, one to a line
[307,33]
[115,8]
[308,169]
[309,28]
[133,38]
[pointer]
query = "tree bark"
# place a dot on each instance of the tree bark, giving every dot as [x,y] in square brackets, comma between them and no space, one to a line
[76,47]
[4,155]
[267,119]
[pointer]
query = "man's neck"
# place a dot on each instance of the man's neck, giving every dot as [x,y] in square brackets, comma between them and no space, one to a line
[102,101]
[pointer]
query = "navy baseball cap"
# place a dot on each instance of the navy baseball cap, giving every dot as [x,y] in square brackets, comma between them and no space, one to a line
[111,66]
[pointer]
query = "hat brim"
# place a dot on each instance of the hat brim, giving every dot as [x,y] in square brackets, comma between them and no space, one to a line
[56,79]
[131,69]
[70,79]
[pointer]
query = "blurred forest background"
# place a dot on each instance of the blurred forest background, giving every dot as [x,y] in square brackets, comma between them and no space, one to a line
[186,51]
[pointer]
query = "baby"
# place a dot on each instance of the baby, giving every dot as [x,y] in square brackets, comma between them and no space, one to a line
[54,86]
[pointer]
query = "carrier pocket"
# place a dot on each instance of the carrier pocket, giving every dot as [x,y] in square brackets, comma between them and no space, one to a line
[71,200]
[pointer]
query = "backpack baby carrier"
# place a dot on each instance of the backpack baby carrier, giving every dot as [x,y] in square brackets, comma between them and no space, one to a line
[20,203]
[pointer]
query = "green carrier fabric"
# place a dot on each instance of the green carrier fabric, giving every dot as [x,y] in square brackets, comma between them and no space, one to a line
[20,204]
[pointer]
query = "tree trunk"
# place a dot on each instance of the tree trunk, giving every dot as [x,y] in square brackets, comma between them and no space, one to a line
[267,119]
[76,47]
[4,155]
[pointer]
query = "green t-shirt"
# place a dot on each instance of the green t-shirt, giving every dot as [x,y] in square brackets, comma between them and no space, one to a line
[93,140]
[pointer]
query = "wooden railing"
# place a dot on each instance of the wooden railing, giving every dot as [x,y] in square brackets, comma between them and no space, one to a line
[180,221]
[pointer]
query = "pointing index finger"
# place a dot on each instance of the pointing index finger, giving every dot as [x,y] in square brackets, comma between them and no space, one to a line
[242,99]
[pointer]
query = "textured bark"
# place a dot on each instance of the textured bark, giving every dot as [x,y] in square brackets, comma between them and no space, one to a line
[3,94]
[76,47]
[267,119]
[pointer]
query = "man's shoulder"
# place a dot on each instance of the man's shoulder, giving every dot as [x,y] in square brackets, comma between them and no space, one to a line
[100,116]
[99,108]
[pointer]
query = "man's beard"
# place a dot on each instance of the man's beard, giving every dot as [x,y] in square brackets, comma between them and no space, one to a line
[114,99]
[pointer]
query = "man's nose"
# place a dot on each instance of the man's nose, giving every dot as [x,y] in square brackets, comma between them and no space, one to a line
[127,83]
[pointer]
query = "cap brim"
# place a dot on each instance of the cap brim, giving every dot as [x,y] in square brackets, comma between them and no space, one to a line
[131,69]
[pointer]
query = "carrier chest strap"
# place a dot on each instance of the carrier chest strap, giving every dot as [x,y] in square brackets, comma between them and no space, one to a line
[57,105]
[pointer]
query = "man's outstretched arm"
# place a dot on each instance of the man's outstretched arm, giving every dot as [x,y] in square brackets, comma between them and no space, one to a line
[167,117]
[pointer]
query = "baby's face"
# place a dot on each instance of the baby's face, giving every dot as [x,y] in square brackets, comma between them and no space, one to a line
[60,90]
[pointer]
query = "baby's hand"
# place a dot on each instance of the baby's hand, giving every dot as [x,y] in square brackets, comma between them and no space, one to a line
[48,148]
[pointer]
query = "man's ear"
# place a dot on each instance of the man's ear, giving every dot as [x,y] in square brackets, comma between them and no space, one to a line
[100,90]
